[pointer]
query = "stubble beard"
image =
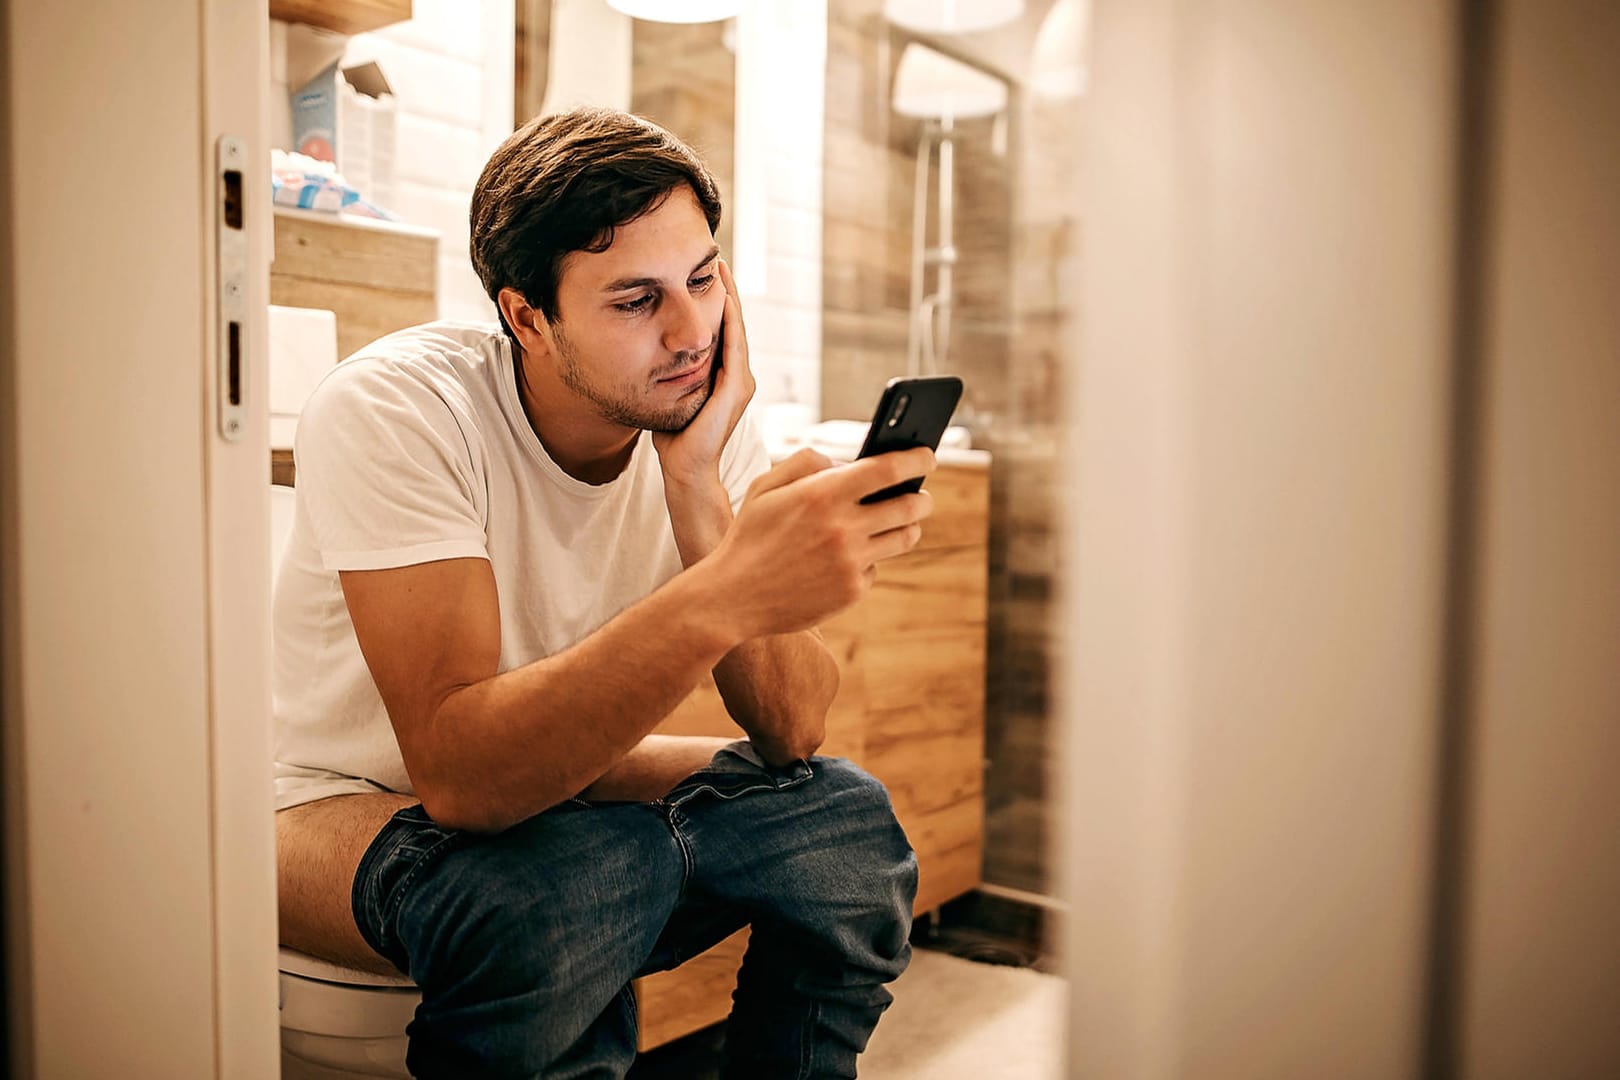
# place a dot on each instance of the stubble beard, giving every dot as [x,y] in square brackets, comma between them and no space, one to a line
[623,405]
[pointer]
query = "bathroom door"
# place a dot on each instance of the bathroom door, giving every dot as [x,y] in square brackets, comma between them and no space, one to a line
[138,834]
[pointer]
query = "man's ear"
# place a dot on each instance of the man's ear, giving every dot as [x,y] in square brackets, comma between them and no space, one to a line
[528,323]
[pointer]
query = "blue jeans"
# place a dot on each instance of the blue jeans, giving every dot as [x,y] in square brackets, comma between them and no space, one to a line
[524,942]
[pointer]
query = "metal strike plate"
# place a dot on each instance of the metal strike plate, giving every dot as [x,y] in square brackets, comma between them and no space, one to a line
[229,225]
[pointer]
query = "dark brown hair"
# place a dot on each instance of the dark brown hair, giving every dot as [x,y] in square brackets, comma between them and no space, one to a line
[562,183]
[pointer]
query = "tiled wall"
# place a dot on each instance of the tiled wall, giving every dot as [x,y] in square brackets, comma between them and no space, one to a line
[870,177]
[1017,240]
[683,76]
[1023,629]
[451,70]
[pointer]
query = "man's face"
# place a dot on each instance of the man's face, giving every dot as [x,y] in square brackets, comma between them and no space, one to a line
[638,323]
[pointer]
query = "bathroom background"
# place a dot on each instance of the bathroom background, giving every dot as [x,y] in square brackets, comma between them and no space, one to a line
[814,117]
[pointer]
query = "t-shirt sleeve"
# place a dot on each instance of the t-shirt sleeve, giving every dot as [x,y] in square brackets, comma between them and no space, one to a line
[386,475]
[743,459]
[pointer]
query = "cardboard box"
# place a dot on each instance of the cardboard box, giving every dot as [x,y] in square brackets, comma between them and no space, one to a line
[349,116]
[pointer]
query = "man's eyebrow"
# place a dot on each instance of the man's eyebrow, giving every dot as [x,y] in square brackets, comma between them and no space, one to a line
[642,282]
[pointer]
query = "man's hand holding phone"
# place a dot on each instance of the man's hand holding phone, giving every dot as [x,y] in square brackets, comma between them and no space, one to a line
[808,538]
[805,546]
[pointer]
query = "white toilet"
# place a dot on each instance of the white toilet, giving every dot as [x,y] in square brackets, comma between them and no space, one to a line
[336,1022]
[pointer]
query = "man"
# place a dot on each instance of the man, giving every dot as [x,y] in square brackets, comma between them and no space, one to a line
[516,549]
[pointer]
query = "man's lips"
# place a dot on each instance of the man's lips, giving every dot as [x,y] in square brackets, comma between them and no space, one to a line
[690,375]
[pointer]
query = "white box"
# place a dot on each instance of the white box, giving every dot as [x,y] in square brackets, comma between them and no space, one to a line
[303,348]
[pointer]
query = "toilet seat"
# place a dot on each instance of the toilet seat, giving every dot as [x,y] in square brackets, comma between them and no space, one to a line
[338,1021]
[294,962]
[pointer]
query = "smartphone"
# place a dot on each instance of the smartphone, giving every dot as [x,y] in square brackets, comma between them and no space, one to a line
[911,412]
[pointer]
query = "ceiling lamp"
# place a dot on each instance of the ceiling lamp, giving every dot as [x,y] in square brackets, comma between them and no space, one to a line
[932,86]
[951,16]
[1060,51]
[678,11]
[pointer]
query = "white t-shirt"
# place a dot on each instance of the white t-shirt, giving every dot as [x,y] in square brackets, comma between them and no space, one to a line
[417,449]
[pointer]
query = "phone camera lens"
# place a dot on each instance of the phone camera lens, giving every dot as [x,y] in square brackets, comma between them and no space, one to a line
[899,409]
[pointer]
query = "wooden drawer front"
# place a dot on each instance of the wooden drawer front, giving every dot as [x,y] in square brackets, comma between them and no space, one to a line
[696,994]
[375,280]
[961,508]
[923,658]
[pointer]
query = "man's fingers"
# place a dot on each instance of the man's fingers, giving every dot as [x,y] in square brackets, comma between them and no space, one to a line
[894,542]
[867,475]
[735,356]
[733,377]
[898,512]
[803,463]
[729,282]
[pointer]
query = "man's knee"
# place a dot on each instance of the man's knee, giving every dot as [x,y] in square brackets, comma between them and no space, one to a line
[866,840]
[847,788]
[546,917]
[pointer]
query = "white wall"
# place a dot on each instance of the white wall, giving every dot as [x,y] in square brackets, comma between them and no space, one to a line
[781,107]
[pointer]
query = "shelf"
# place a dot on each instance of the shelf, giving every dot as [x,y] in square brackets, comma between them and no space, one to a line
[376,276]
[342,16]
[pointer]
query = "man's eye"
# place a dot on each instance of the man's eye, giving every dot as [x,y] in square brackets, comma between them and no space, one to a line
[698,284]
[640,303]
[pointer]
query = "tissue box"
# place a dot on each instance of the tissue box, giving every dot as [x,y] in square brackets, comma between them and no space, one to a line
[348,116]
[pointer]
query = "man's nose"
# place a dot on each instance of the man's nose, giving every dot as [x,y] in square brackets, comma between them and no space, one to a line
[686,328]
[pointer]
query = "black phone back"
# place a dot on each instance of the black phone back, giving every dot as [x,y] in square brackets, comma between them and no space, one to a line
[911,413]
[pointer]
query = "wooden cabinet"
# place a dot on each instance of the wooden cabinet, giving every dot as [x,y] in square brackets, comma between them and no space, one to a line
[910,710]
[376,276]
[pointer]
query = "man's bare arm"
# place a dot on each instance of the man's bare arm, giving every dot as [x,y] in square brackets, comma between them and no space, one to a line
[777,688]
[654,767]
[485,750]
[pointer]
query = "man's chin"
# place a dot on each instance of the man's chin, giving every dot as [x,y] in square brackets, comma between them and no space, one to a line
[680,417]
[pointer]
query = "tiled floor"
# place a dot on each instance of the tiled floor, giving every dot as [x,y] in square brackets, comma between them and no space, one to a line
[976,927]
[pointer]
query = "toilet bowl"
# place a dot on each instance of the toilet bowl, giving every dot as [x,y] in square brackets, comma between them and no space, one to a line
[339,1023]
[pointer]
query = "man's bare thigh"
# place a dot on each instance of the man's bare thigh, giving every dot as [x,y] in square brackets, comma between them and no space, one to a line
[318,847]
